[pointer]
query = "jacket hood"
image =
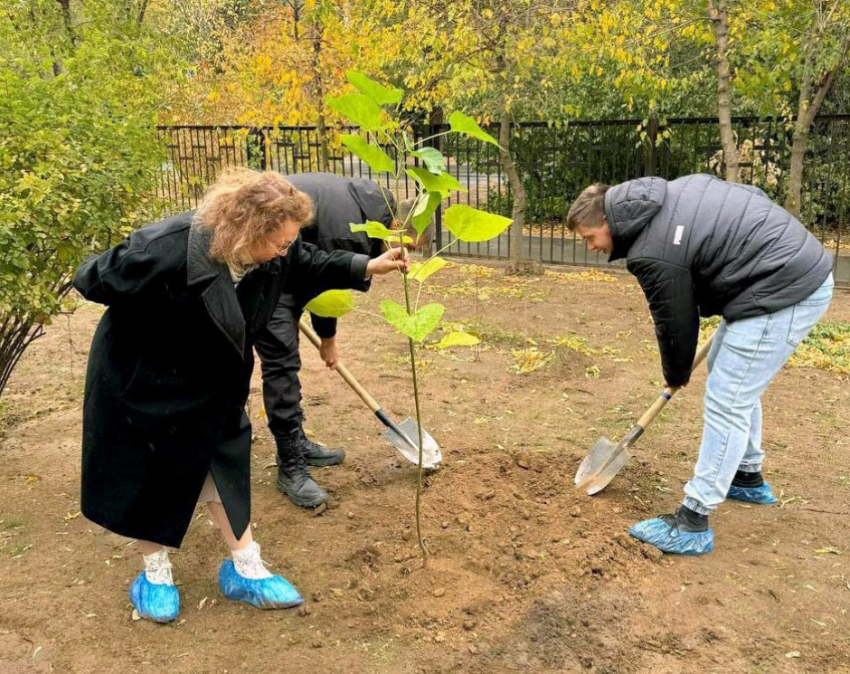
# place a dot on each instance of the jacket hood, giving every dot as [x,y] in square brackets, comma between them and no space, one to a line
[629,207]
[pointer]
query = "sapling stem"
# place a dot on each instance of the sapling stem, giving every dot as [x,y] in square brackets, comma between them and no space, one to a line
[422,546]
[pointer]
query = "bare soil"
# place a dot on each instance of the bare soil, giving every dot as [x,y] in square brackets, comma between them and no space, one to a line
[526,574]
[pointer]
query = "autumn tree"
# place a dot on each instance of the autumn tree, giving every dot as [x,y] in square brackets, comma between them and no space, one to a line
[276,66]
[485,56]
[823,27]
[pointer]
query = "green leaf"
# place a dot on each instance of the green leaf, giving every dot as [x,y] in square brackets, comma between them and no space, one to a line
[434,161]
[377,92]
[331,304]
[417,326]
[460,123]
[443,183]
[359,109]
[419,271]
[456,339]
[378,160]
[377,230]
[470,225]
[424,211]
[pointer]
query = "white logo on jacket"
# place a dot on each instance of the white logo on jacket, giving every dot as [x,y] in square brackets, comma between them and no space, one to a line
[677,237]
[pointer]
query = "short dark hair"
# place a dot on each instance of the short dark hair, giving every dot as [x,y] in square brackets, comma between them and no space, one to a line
[589,209]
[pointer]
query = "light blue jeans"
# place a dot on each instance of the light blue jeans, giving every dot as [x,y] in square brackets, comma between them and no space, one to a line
[744,358]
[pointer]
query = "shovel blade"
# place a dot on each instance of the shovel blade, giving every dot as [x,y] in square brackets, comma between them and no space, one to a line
[599,482]
[595,459]
[601,465]
[407,444]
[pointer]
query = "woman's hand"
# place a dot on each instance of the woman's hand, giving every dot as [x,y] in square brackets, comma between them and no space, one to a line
[394,259]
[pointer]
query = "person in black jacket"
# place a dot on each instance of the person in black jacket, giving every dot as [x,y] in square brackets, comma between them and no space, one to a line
[164,425]
[338,202]
[701,246]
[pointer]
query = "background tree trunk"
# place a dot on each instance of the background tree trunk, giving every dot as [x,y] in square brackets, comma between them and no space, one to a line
[518,263]
[319,91]
[719,16]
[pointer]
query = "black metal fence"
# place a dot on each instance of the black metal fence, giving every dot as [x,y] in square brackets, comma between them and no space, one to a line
[555,163]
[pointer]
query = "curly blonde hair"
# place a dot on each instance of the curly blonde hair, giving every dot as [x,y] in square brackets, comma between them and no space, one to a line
[243,207]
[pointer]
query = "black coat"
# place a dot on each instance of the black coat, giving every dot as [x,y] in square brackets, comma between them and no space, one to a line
[169,371]
[701,246]
[337,203]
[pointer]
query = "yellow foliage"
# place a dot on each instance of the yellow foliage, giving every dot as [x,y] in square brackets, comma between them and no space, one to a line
[529,360]
[589,275]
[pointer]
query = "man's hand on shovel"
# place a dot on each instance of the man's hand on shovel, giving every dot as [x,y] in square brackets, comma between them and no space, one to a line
[607,458]
[329,351]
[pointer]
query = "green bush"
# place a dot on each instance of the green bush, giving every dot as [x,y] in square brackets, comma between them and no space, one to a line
[78,161]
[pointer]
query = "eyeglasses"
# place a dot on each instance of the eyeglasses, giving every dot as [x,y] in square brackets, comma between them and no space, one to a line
[284,249]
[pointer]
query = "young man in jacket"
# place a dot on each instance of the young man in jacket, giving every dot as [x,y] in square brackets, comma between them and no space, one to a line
[337,202]
[700,246]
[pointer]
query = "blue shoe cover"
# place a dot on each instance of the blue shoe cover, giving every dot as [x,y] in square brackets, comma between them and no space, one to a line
[274,592]
[658,533]
[763,494]
[160,603]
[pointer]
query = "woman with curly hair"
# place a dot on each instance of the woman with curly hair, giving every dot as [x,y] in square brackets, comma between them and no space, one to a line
[164,423]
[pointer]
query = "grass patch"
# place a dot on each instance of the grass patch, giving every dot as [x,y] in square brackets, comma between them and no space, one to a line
[826,348]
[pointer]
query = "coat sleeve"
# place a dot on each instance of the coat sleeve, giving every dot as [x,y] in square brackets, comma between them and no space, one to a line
[324,327]
[670,292]
[314,271]
[130,270]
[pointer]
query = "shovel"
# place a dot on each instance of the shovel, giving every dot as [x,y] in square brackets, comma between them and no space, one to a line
[606,458]
[404,436]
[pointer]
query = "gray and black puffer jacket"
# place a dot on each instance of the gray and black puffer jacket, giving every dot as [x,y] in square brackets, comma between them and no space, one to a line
[701,246]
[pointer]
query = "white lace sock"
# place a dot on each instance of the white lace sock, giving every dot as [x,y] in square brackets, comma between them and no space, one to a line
[249,564]
[158,568]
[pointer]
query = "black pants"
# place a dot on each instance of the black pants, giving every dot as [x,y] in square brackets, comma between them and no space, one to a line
[277,347]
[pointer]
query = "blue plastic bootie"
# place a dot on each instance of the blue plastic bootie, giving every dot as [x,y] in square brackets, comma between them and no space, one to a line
[159,602]
[763,494]
[669,534]
[266,593]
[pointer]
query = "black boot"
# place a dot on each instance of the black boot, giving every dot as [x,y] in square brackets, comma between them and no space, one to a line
[316,455]
[293,478]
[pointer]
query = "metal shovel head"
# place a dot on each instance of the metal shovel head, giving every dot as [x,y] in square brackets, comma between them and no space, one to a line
[601,465]
[408,444]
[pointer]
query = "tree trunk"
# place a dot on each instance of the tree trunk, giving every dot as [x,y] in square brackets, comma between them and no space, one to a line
[16,334]
[143,8]
[317,30]
[518,264]
[718,11]
[321,126]
[806,113]
[68,21]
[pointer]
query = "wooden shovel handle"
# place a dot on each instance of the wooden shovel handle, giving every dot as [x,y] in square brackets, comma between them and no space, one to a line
[339,367]
[668,391]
